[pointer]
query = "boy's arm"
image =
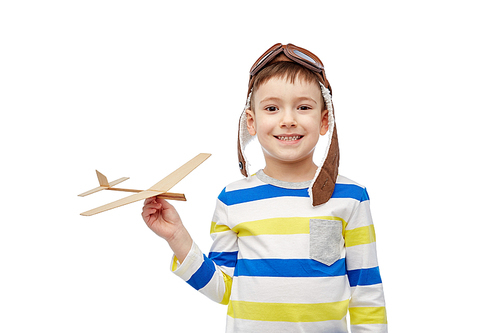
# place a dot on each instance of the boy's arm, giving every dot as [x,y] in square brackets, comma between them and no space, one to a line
[367,305]
[211,275]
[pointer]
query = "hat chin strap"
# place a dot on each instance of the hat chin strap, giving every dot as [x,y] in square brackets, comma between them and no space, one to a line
[323,183]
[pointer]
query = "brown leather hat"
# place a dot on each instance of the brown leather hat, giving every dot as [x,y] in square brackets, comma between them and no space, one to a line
[323,184]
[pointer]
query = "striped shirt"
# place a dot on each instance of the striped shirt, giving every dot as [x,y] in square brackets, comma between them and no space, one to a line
[283,265]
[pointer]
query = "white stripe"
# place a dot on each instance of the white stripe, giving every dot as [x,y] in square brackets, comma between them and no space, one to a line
[220,215]
[274,246]
[368,296]
[361,216]
[225,241]
[289,207]
[250,326]
[345,180]
[228,270]
[244,183]
[361,256]
[379,328]
[270,208]
[290,290]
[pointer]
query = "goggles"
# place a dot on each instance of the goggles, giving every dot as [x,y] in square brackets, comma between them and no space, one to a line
[294,53]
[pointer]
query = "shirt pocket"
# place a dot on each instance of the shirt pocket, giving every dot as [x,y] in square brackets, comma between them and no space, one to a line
[325,240]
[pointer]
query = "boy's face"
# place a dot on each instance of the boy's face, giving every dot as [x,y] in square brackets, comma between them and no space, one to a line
[288,119]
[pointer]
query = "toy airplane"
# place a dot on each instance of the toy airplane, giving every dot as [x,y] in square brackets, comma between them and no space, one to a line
[158,190]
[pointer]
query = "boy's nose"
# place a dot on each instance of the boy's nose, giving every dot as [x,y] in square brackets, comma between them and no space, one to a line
[288,119]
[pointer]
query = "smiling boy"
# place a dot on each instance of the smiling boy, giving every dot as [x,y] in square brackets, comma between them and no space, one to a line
[294,244]
[288,119]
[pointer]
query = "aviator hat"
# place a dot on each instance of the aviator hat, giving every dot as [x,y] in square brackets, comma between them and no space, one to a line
[323,184]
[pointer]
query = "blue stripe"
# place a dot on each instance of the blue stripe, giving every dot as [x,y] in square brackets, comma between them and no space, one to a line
[350,191]
[270,191]
[259,193]
[288,268]
[203,275]
[364,277]
[227,259]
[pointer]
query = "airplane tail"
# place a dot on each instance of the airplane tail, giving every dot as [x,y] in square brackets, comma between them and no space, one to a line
[103,184]
[103,181]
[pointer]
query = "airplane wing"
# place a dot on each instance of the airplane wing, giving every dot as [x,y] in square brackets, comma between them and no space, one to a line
[168,182]
[97,189]
[159,188]
[122,202]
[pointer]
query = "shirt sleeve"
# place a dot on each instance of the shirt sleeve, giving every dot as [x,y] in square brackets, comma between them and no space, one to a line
[212,275]
[367,305]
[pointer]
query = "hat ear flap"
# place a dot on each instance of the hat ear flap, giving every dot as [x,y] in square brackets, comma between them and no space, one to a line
[323,184]
[244,137]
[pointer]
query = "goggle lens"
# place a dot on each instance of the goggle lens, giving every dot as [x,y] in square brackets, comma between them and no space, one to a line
[263,59]
[305,57]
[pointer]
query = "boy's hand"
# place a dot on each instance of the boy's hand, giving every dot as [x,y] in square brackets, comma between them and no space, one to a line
[163,219]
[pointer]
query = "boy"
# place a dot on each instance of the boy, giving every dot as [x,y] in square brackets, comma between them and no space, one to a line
[294,244]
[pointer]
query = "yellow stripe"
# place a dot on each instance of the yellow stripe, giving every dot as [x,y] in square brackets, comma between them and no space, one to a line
[174,265]
[228,281]
[368,315]
[278,226]
[361,235]
[218,228]
[289,312]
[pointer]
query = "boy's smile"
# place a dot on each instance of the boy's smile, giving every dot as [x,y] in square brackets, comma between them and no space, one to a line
[288,119]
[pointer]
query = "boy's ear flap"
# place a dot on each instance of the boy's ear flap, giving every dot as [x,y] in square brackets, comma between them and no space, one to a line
[251,122]
[324,122]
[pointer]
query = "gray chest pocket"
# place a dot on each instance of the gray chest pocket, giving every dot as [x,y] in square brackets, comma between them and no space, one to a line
[326,241]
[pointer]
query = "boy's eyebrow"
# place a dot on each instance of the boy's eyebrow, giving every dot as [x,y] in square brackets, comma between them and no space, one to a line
[270,99]
[276,99]
[307,98]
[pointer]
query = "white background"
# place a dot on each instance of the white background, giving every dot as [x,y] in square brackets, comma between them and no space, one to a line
[137,88]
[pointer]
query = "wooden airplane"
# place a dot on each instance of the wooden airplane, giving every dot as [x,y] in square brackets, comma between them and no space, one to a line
[158,190]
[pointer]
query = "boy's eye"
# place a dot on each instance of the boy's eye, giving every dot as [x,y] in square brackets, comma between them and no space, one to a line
[271,108]
[304,107]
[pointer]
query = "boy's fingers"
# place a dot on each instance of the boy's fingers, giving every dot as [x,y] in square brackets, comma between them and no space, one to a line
[149,211]
[164,203]
[149,200]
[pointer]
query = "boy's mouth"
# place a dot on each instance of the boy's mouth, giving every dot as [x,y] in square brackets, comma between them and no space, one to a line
[288,137]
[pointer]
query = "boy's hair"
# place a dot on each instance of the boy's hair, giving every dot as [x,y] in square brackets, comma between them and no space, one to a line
[286,70]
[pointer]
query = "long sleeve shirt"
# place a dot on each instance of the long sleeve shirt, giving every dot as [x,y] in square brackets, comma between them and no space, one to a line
[283,265]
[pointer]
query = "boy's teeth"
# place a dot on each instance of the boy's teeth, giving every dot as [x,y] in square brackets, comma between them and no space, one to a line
[289,138]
